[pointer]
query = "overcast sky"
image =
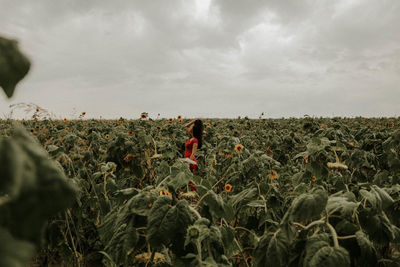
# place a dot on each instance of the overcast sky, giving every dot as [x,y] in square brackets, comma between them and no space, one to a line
[201,58]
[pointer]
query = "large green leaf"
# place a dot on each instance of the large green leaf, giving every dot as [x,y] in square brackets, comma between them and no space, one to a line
[140,204]
[260,252]
[308,206]
[317,144]
[41,188]
[278,250]
[158,224]
[122,243]
[217,206]
[13,252]
[166,224]
[242,198]
[341,204]
[13,65]
[272,250]
[386,199]
[313,244]
[368,255]
[328,256]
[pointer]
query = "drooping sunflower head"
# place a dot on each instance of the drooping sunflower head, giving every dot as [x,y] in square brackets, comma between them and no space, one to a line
[239,148]
[228,188]
[143,115]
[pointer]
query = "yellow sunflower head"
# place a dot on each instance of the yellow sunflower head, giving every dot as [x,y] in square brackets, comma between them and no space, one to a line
[228,188]
[239,148]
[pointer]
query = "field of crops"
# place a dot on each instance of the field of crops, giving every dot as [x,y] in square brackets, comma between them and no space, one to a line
[270,192]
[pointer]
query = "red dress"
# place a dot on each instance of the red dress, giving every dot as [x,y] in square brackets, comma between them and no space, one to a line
[188,151]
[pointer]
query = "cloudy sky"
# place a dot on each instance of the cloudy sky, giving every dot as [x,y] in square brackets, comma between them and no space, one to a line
[202,58]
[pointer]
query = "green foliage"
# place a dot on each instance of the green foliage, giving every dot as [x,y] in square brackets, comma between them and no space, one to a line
[158,224]
[368,255]
[330,257]
[308,206]
[276,202]
[38,188]
[342,204]
[14,252]
[13,65]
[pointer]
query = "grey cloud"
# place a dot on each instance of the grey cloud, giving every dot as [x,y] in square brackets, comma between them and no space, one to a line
[287,58]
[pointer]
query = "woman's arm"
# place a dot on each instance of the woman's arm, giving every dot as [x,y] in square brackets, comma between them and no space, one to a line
[190,123]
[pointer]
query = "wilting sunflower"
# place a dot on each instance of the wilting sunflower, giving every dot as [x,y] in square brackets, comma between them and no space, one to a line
[128,157]
[165,193]
[238,148]
[67,128]
[273,175]
[314,179]
[228,188]
[83,113]
[143,115]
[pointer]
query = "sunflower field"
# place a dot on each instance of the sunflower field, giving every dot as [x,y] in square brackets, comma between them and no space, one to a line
[270,192]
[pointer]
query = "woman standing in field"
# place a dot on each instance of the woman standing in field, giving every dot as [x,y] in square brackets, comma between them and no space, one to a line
[195,141]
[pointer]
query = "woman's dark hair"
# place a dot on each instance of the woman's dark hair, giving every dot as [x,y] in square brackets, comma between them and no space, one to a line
[198,131]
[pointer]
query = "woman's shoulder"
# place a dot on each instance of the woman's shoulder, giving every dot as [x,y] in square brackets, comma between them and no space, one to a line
[194,140]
